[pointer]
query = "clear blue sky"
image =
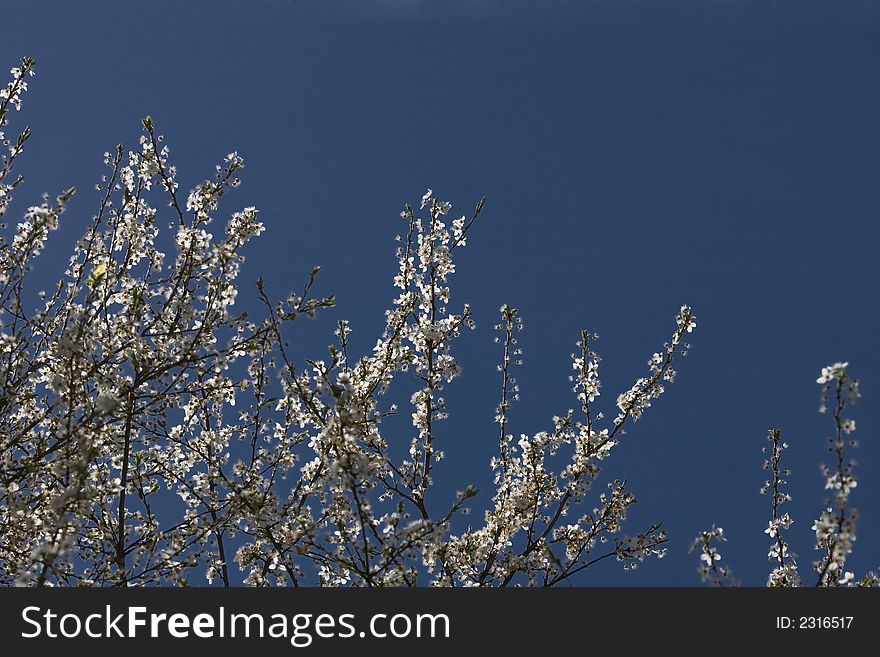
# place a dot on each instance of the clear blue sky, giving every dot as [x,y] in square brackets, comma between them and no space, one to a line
[721,154]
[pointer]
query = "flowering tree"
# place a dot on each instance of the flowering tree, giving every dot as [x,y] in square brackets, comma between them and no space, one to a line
[150,434]
[836,526]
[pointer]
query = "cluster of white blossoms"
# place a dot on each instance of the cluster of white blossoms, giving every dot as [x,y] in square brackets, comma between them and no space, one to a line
[785,573]
[10,97]
[635,400]
[835,527]
[151,435]
[710,570]
[114,389]
[524,534]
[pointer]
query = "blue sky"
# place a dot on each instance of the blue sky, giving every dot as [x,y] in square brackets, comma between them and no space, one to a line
[634,157]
